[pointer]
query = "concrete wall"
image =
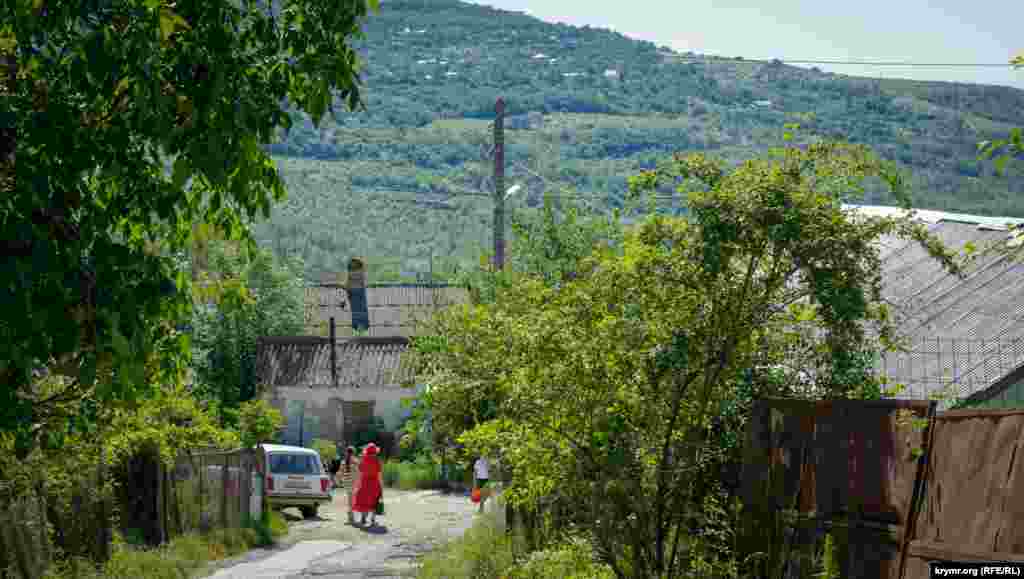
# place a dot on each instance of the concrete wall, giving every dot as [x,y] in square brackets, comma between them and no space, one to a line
[323,408]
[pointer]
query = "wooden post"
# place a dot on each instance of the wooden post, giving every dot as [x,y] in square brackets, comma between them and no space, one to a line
[104,538]
[499,184]
[224,493]
[161,504]
[334,357]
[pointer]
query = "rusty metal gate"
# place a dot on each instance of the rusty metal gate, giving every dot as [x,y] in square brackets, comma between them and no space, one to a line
[896,494]
[849,468]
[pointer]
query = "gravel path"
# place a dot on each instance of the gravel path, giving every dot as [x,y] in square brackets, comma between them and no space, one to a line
[327,547]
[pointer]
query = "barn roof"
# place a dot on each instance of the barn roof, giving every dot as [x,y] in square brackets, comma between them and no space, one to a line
[965,332]
[394,310]
[363,362]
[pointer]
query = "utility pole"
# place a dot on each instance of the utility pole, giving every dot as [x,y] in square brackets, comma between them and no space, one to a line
[499,184]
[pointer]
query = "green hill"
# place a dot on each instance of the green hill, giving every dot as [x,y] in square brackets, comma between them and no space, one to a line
[587,107]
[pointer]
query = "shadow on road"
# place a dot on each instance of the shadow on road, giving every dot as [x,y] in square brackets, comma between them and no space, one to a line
[377,529]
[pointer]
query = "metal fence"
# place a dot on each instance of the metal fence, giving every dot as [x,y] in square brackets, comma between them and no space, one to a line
[895,495]
[959,368]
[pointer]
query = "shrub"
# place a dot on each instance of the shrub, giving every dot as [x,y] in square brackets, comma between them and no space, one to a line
[423,473]
[258,422]
[484,552]
[571,559]
[327,450]
[182,558]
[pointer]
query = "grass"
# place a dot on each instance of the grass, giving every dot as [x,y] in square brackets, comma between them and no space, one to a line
[486,551]
[420,474]
[184,557]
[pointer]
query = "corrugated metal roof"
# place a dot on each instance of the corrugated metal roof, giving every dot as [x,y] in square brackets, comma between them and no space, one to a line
[365,362]
[932,216]
[965,333]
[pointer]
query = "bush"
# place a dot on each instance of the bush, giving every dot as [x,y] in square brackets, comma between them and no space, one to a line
[572,559]
[258,422]
[327,450]
[423,473]
[484,552]
[182,558]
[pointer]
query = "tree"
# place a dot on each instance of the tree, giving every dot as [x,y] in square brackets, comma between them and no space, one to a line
[606,391]
[131,120]
[244,295]
[1004,149]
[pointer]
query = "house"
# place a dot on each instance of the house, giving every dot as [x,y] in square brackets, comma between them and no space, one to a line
[368,383]
[369,377]
[966,334]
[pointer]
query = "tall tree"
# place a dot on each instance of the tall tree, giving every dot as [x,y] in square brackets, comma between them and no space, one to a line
[605,390]
[246,295]
[132,120]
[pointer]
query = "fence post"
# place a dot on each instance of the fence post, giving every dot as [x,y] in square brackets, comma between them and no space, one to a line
[104,538]
[44,535]
[161,530]
[224,493]
[920,485]
[334,356]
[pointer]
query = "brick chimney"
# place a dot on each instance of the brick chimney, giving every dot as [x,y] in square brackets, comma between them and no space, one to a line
[356,287]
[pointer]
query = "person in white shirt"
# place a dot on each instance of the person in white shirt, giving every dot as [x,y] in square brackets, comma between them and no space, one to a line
[481,472]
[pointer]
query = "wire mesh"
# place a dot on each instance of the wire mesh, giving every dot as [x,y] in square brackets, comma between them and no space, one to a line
[953,368]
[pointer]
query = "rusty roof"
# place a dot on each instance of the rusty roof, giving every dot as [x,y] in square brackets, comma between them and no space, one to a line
[363,362]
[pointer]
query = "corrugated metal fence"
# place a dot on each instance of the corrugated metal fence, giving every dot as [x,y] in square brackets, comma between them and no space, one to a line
[895,491]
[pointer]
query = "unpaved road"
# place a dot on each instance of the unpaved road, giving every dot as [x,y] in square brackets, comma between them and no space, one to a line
[327,547]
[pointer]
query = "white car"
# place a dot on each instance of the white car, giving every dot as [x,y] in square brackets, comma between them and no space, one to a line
[296,478]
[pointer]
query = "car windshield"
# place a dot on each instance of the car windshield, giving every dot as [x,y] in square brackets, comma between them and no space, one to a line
[294,464]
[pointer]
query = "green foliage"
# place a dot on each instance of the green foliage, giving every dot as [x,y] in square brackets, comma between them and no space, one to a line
[258,422]
[327,450]
[164,424]
[125,138]
[421,473]
[571,558]
[1004,150]
[829,562]
[484,552]
[606,391]
[243,296]
[387,183]
[184,557]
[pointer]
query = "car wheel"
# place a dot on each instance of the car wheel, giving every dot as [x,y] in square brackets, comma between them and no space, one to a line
[308,512]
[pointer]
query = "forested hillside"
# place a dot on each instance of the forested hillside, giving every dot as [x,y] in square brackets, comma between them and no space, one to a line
[587,108]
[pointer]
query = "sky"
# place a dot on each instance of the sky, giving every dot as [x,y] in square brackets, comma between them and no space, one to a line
[920,31]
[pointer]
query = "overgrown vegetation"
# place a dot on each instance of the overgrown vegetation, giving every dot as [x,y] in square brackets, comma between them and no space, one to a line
[607,392]
[181,558]
[129,155]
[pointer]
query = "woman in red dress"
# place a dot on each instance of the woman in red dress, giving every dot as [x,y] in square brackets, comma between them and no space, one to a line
[368,487]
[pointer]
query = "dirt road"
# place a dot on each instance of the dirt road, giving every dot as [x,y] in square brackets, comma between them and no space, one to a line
[327,547]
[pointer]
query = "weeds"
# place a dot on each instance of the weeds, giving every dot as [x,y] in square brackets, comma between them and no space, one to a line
[181,558]
[422,473]
[488,552]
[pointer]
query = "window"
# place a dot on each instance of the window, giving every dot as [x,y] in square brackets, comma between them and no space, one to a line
[294,464]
